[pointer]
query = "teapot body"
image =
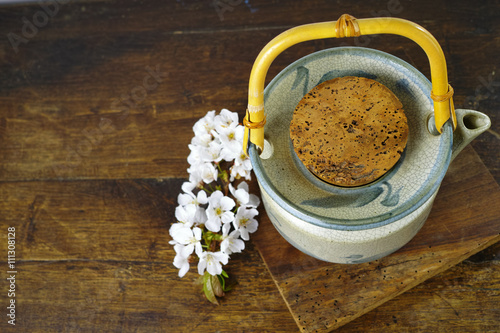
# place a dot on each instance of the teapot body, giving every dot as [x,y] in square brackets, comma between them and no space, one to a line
[346,246]
[351,225]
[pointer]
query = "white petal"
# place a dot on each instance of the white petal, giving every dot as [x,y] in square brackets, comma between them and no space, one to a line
[251,213]
[202,197]
[197,233]
[222,257]
[244,234]
[201,216]
[242,196]
[228,154]
[243,186]
[227,217]
[252,226]
[182,235]
[184,199]
[185,214]
[225,246]
[237,245]
[225,230]
[184,269]
[201,140]
[239,134]
[214,198]
[174,228]
[208,173]
[180,213]
[195,176]
[253,201]
[182,263]
[213,224]
[211,214]
[214,267]
[194,157]
[187,250]
[188,187]
[230,116]
[232,244]
[178,249]
[227,203]
[202,264]
[179,261]
[198,249]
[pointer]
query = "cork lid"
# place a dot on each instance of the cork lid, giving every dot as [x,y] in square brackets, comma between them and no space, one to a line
[349,131]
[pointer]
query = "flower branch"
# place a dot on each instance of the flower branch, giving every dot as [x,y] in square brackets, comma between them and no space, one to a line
[216,212]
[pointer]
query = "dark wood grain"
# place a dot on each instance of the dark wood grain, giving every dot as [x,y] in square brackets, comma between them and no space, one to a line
[90,175]
[80,129]
[94,256]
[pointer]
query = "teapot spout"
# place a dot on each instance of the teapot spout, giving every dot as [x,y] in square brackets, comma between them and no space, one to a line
[470,124]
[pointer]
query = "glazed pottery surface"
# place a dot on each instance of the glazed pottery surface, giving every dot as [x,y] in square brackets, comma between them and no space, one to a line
[351,225]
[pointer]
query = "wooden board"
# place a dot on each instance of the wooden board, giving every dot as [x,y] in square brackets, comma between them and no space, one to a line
[322,296]
[438,304]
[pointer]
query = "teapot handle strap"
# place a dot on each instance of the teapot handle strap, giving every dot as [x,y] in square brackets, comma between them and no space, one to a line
[346,26]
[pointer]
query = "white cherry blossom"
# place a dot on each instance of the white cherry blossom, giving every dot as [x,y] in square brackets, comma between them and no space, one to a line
[189,238]
[244,222]
[231,138]
[219,211]
[243,197]
[230,241]
[188,198]
[186,214]
[180,261]
[212,262]
[205,172]
[194,157]
[242,167]
[212,153]
[202,140]
[205,125]
[225,119]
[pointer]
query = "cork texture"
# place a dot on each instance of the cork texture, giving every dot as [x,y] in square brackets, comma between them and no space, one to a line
[349,131]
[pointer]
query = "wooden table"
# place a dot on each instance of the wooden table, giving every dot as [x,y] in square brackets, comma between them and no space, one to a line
[97,101]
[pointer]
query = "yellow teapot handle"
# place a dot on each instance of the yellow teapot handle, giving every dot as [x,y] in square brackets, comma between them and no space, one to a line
[346,26]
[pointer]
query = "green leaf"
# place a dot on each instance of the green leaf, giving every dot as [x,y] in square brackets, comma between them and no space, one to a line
[222,282]
[222,279]
[208,288]
[216,286]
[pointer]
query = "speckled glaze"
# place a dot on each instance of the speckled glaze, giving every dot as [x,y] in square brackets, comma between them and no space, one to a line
[354,225]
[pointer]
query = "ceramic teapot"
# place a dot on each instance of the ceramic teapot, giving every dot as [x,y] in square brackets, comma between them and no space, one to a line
[358,224]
